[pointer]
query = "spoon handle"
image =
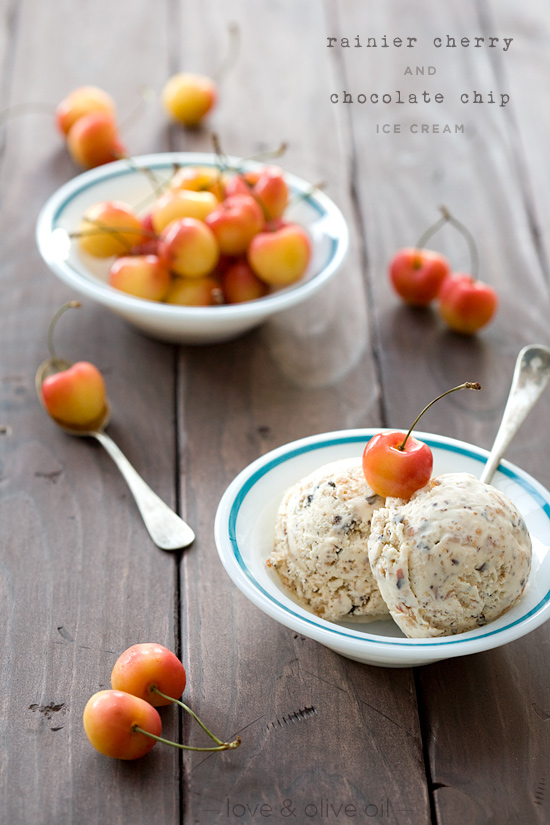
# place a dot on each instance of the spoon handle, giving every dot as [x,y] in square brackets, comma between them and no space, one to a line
[165,527]
[531,375]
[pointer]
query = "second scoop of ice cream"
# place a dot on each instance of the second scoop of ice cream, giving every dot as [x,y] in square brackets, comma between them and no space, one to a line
[453,558]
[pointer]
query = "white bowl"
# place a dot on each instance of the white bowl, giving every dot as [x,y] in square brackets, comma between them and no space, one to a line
[124,181]
[244,530]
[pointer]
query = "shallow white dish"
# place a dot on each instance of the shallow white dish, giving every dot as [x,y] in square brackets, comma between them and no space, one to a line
[244,529]
[125,182]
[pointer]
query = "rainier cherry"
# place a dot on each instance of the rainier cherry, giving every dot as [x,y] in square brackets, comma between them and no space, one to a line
[200,179]
[94,140]
[121,725]
[466,304]
[144,276]
[189,97]
[235,222]
[82,101]
[189,248]
[149,670]
[182,203]
[417,273]
[195,292]
[73,395]
[272,192]
[395,464]
[109,228]
[281,256]
[240,284]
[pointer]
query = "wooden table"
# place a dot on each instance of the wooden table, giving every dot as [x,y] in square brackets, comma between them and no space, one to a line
[462,741]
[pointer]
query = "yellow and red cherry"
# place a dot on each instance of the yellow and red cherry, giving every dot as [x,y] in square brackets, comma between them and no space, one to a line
[394,465]
[200,179]
[280,257]
[418,274]
[109,228]
[148,243]
[241,184]
[182,203]
[234,222]
[189,97]
[271,191]
[144,276]
[397,464]
[240,284]
[189,248]
[466,304]
[93,140]
[195,292]
[82,101]
[74,395]
[120,725]
[150,671]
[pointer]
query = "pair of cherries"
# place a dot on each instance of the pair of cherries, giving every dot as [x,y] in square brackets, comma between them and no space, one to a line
[420,276]
[124,722]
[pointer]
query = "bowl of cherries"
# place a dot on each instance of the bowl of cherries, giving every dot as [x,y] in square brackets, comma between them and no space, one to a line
[192,247]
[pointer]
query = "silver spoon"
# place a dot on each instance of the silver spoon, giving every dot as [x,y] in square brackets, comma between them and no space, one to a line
[166,528]
[531,375]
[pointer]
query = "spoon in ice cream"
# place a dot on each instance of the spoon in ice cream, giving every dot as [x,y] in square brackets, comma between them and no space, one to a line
[165,527]
[531,375]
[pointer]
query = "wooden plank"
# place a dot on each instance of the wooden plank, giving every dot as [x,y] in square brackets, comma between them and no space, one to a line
[480,720]
[80,578]
[308,371]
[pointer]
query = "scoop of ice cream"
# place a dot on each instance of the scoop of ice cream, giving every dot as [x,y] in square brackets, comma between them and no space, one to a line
[321,535]
[454,557]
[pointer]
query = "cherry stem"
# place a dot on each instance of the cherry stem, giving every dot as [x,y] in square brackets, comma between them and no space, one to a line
[155,689]
[103,228]
[223,166]
[145,96]
[270,154]
[145,170]
[469,238]
[53,322]
[446,217]
[430,231]
[233,48]
[221,161]
[468,385]
[298,197]
[223,747]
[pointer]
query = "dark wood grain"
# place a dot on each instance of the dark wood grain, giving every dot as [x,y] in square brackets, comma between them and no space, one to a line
[460,741]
